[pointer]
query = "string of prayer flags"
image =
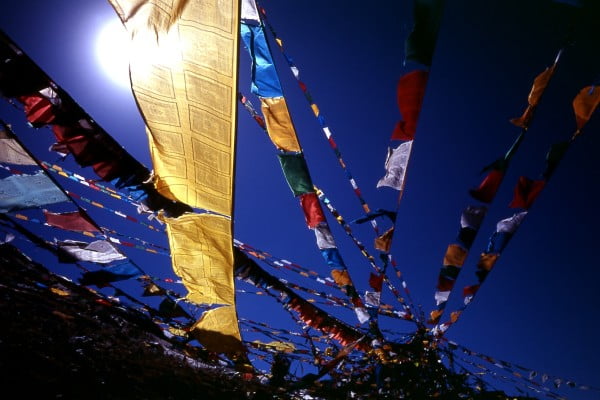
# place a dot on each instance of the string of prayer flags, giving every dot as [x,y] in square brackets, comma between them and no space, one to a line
[505,230]
[77,221]
[281,130]
[145,246]
[456,254]
[19,192]
[395,166]
[111,273]
[45,103]
[99,251]
[408,314]
[410,94]
[249,271]
[421,41]
[320,118]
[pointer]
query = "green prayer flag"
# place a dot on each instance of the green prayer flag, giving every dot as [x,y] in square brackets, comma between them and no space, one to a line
[420,44]
[296,173]
[555,154]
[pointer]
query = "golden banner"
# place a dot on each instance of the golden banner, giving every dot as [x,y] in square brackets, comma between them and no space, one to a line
[183,62]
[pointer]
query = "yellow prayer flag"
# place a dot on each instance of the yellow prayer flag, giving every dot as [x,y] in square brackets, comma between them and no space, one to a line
[218,331]
[384,242]
[183,62]
[202,255]
[279,123]
[455,255]
[341,277]
[487,261]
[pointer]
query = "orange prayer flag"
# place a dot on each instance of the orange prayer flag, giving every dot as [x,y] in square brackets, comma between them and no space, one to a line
[341,277]
[455,255]
[384,242]
[539,85]
[487,261]
[584,105]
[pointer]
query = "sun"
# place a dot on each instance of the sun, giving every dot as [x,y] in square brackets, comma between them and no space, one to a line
[112,52]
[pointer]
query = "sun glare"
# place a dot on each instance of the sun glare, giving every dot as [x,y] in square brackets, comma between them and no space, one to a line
[112,52]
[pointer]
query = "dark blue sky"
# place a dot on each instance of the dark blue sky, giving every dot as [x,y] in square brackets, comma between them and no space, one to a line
[538,307]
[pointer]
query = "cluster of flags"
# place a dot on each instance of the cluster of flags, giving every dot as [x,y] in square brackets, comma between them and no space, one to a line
[525,193]
[281,130]
[202,244]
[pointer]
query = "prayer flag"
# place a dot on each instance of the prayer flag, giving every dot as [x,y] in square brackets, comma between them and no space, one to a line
[11,152]
[472,216]
[218,331]
[38,110]
[324,237]
[526,191]
[183,67]
[539,85]
[99,251]
[265,81]
[112,273]
[374,214]
[466,236]
[511,224]
[455,255]
[384,242]
[170,309]
[249,12]
[313,213]
[376,281]
[488,187]
[341,277]
[420,44]
[18,192]
[395,166]
[333,258]
[296,173]
[279,124]
[441,297]
[487,261]
[77,221]
[410,93]
[373,299]
[584,104]
[554,156]
[152,289]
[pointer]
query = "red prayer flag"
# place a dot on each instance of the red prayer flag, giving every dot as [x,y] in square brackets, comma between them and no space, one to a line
[470,290]
[313,213]
[77,221]
[526,191]
[410,92]
[376,282]
[488,187]
[38,109]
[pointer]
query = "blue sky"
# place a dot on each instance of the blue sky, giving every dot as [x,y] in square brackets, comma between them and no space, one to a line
[537,307]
